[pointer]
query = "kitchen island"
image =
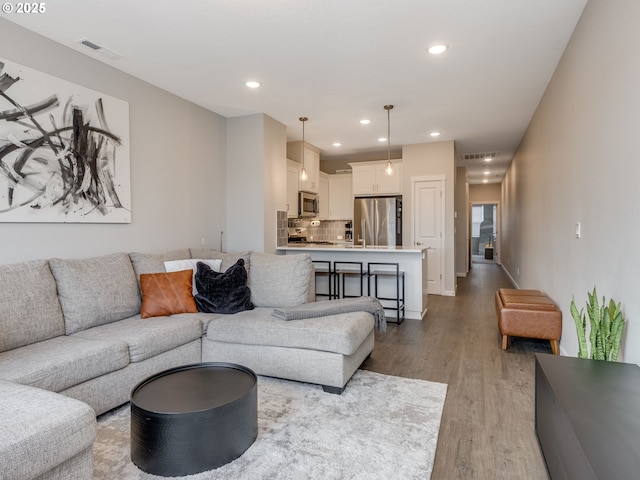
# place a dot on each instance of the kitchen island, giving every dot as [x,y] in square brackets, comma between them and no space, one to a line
[412,261]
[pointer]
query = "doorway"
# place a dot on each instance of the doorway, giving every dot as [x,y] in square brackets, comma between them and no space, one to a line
[485,225]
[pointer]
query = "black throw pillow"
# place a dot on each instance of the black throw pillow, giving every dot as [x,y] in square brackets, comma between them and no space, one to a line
[222,292]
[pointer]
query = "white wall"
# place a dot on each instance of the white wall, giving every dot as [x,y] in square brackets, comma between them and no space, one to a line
[485,193]
[245,170]
[462,222]
[436,158]
[178,190]
[275,179]
[579,162]
[257,169]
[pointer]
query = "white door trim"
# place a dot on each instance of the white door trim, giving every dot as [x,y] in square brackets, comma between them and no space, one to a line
[443,183]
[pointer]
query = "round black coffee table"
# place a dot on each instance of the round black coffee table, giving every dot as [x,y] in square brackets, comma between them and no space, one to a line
[193,418]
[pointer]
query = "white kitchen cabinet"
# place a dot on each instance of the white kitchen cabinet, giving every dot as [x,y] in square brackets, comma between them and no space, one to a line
[311,164]
[324,196]
[293,174]
[370,178]
[340,197]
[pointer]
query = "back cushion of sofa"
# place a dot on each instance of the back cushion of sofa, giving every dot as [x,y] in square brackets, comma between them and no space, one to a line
[29,307]
[96,290]
[154,262]
[280,280]
[228,259]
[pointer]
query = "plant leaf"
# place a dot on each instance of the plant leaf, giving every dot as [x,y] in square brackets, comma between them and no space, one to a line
[580,322]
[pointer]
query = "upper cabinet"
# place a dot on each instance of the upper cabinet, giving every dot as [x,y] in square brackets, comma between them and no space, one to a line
[311,164]
[340,197]
[293,173]
[370,178]
[324,197]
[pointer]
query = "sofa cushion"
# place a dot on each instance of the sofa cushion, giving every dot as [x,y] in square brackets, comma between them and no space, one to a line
[29,307]
[150,337]
[62,362]
[40,430]
[167,294]
[228,259]
[527,301]
[342,333]
[191,264]
[280,280]
[97,290]
[154,262]
[223,292]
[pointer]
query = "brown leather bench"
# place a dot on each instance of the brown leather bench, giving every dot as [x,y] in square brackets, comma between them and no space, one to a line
[528,313]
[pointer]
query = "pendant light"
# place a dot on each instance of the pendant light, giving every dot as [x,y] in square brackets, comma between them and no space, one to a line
[303,172]
[389,170]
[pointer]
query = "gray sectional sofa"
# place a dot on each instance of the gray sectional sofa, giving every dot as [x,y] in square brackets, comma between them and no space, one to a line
[73,345]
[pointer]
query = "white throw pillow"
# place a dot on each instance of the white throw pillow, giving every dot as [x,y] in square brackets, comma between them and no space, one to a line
[191,264]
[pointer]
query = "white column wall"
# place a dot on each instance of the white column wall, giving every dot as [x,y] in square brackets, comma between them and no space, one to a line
[578,162]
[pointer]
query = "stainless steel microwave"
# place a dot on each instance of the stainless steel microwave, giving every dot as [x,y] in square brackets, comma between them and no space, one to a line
[308,204]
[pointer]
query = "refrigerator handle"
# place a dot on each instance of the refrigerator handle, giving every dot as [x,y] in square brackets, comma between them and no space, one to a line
[363,225]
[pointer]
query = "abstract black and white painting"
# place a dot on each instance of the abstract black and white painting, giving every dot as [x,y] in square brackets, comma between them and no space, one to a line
[64,150]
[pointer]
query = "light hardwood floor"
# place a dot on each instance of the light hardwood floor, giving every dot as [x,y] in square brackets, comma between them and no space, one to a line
[487,428]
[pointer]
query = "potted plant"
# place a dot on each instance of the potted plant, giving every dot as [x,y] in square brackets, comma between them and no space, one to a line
[606,326]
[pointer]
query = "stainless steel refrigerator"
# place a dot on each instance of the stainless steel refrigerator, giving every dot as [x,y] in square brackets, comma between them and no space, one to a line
[377,221]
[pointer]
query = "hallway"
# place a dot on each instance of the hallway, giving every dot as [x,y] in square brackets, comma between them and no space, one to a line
[487,429]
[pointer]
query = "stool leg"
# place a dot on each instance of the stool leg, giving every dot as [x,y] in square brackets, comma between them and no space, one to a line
[403,302]
[505,342]
[554,347]
[398,296]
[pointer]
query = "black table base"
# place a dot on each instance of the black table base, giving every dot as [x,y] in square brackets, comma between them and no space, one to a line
[175,441]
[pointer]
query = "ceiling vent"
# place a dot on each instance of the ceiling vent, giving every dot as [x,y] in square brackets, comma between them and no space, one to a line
[479,156]
[105,52]
[344,170]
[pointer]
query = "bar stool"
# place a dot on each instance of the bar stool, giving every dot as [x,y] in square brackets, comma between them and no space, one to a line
[343,270]
[386,269]
[323,269]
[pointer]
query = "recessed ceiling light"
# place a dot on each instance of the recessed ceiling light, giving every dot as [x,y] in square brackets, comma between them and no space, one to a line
[486,172]
[488,159]
[382,139]
[364,121]
[485,181]
[252,84]
[438,49]
[435,134]
[337,144]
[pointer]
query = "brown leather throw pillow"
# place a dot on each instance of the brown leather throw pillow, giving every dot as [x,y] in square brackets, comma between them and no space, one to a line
[167,294]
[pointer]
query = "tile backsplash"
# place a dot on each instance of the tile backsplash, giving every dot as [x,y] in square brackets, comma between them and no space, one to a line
[283,232]
[327,231]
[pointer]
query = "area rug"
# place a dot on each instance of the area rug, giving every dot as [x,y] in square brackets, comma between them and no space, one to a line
[381,427]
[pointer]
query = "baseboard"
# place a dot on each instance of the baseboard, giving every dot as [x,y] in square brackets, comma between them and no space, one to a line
[515,284]
[463,274]
[448,293]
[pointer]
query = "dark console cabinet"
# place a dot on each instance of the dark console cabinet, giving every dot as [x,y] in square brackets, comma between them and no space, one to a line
[587,418]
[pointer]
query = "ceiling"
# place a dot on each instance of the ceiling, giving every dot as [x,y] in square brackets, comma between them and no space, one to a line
[337,62]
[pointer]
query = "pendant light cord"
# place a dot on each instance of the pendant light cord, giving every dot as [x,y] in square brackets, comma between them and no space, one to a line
[389,169]
[388,133]
[303,119]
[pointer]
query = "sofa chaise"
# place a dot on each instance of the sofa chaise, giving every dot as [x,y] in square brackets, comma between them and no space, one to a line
[73,345]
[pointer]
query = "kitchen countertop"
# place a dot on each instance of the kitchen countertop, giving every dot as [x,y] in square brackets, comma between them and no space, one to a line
[351,248]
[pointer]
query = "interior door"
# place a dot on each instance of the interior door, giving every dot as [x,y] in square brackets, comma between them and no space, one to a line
[428,225]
